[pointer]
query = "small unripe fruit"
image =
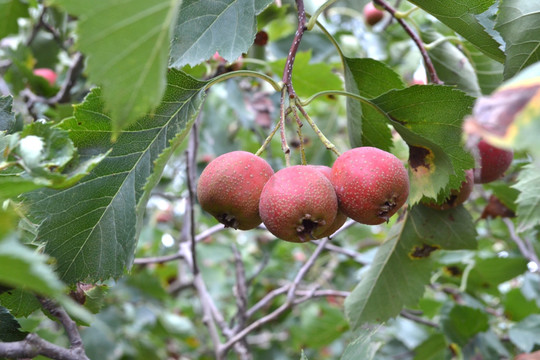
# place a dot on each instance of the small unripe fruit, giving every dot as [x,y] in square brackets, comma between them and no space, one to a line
[458,196]
[371,184]
[340,216]
[230,187]
[493,162]
[48,74]
[298,204]
[372,15]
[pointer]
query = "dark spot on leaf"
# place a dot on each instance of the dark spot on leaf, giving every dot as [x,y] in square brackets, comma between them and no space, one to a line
[79,123]
[453,271]
[422,251]
[417,157]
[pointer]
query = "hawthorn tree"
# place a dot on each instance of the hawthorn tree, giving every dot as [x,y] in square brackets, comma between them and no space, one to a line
[105,252]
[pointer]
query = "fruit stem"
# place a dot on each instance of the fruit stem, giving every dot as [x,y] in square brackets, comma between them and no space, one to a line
[300,135]
[330,37]
[239,73]
[437,42]
[284,145]
[329,145]
[268,139]
[318,12]
[405,14]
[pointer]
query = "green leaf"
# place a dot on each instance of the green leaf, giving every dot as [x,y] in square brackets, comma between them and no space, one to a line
[462,18]
[320,325]
[490,272]
[429,118]
[525,333]
[206,26]
[304,74]
[127,44]
[452,66]
[363,347]
[10,11]
[22,267]
[7,117]
[460,323]
[20,303]
[517,307]
[9,327]
[517,22]
[528,201]
[402,265]
[368,78]
[488,71]
[434,348]
[92,228]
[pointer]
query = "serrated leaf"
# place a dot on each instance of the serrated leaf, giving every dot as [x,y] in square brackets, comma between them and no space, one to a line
[9,327]
[368,78]
[490,272]
[525,333]
[304,73]
[460,323]
[19,302]
[7,117]
[452,66]
[363,347]
[402,265]
[10,11]
[488,71]
[206,26]
[462,18]
[528,201]
[127,44]
[518,23]
[92,228]
[437,158]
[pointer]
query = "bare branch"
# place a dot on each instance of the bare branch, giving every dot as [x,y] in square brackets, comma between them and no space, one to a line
[287,72]
[408,315]
[33,345]
[69,325]
[427,60]
[524,246]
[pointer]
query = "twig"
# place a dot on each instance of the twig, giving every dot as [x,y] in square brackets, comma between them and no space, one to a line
[407,315]
[69,325]
[524,246]
[287,72]
[427,61]
[64,95]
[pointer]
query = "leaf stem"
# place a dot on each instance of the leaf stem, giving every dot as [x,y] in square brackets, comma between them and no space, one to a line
[437,42]
[241,73]
[318,12]
[284,145]
[300,135]
[268,139]
[427,61]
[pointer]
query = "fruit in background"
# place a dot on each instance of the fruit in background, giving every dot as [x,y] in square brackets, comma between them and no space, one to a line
[48,74]
[458,196]
[372,15]
[340,216]
[230,186]
[298,204]
[371,184]
[492,161]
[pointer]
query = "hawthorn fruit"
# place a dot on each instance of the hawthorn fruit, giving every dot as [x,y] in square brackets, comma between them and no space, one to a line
[493,162]
[372,15]
[230,187]
[371,184]
[48,74]
[298,204]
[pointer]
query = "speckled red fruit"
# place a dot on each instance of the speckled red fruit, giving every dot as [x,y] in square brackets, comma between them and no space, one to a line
[371,184]
[372,15]
[457,196]
[340,216]
[230,187]
[298,204]
[493,162]
[48,74]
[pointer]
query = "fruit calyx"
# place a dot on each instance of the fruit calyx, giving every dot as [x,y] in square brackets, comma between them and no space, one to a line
[387,208]
[228,220]
[307,226]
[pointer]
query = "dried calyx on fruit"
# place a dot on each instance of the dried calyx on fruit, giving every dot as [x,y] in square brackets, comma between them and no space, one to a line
[298,204]
[230,187]
[371,184]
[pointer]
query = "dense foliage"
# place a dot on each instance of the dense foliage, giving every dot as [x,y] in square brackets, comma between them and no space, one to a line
[105,252]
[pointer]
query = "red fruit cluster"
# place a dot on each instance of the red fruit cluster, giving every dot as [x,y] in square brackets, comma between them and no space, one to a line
[302,203]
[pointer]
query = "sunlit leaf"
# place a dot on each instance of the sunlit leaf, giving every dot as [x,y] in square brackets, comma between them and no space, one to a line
[528,201]
[91,229]
[127,44]
[518,22]
[462,18]
[368,78]
[525,333]
[429,118]
[488,71]
[10,11]
[206,26]
[402,265]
